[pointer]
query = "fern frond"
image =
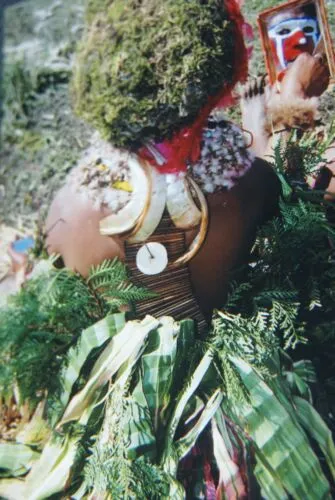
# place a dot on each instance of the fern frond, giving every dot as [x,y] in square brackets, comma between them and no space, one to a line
[110,281]
[45,319]
[237,292]
[127,292]
[109,470]
[109,271]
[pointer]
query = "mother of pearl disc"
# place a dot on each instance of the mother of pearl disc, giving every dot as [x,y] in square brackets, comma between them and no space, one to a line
[152,258]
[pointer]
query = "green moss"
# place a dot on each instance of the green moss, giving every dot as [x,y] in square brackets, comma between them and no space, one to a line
[145,68]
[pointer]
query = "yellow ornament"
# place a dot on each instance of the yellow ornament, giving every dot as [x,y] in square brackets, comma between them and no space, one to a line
[123,185]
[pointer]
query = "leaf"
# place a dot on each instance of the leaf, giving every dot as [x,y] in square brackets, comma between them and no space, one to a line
[139,429]
[106,272]
[49,474]
[110,281]
[80,493]
[91,338]
[123,345]
[281,443]
[42,485]
[185,443]
[183,399]
[176,490]
[36,432]
[185,346]
[317,429]
[157,365]
[230,480]
[16,459]
[305,370]
[268,479]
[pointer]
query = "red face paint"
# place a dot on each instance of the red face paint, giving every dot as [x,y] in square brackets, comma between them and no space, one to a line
[292,37]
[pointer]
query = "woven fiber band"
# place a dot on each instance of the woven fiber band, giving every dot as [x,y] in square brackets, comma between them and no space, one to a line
[173,286]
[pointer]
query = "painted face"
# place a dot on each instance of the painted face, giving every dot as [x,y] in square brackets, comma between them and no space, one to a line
[291,37]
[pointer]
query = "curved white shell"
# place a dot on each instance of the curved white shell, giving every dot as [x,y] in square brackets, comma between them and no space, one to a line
[153,215]
[127,218]
[200,237]
[180,204]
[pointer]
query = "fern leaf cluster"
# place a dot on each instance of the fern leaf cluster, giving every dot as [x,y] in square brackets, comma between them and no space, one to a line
[247,337]
[109,470]
[45,318]
[301,156]
[288,296]
[112,284]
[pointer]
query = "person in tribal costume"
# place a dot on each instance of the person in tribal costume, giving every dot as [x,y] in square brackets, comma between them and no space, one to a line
[241,190]
[173,189]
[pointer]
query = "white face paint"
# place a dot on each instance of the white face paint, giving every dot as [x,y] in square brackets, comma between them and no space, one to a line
[283,32]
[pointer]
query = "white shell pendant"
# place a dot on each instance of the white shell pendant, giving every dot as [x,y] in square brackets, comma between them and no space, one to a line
[152,258]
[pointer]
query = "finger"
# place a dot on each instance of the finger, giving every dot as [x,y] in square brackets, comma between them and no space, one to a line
[255,87]
[262,84]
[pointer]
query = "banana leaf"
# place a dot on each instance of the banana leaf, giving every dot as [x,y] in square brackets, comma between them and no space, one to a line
[16,459]
[170,458]
[140,431]
[148,433]
[129,341]
[185,347]
[91,338]
[157,364]
[49,475]
[185,443]
[299,378]
[37,431]
[317,429]
[231,484]
[151,397]
[145,432]
[176,492]
[285,460]
[270,482]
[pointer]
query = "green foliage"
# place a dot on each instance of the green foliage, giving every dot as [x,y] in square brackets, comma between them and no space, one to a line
[140,427]
[302,156]
[110,281]
[288,298]
[31,345]
[291,273]
[287,466]
[122,478]
[266,321]
[18,93]
[46,317]
[16,460]
[251,338]
[294,254]
[145,69]
[143,435]
[110,471]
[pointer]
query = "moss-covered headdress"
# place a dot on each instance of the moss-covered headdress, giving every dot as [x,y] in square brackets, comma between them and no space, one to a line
[147,68]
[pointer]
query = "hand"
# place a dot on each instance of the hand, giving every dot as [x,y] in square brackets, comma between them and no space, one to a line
[308,76]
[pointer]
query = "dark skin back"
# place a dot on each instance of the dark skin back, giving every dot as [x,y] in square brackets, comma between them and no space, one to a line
[235,216]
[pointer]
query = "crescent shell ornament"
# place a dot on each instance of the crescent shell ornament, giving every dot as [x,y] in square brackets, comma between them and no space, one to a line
[153,192]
